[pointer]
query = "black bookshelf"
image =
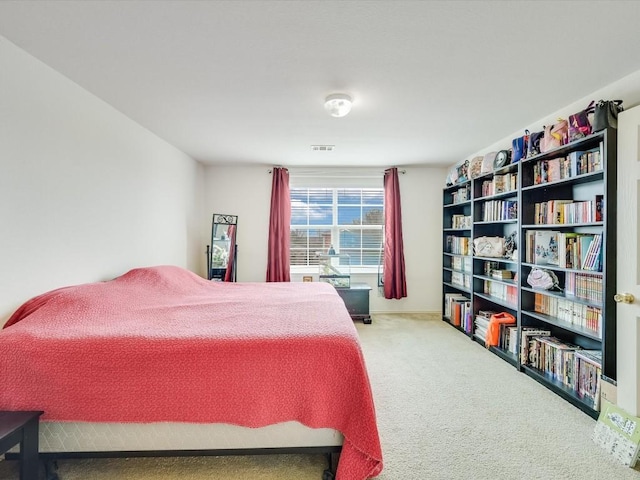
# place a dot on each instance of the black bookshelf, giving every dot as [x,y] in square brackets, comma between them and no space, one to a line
[533,186]
[456,257]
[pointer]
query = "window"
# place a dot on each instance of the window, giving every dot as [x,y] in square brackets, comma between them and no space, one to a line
[349,219]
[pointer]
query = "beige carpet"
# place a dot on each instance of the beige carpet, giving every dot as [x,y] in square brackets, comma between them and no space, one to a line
[447,409]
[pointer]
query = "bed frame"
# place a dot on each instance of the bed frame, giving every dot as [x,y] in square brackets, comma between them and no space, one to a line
[76,440]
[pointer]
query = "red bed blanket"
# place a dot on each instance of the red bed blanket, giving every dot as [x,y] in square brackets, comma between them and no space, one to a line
[163,344]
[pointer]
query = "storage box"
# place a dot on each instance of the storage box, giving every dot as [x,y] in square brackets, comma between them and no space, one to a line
[608,390]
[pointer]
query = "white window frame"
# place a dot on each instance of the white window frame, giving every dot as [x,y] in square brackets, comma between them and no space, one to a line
[335,230]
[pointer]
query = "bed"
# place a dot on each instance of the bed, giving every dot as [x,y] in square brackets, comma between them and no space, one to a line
[160,360]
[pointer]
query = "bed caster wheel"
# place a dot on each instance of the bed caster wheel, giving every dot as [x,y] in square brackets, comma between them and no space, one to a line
[327,475]
[366,321]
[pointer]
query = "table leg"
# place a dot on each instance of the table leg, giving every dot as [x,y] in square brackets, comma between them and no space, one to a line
[29,459]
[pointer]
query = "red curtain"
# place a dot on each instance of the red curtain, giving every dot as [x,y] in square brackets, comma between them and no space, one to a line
[279,228]
[395,283]
[229,274]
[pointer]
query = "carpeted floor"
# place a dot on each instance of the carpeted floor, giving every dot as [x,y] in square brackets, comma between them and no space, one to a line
[447,409]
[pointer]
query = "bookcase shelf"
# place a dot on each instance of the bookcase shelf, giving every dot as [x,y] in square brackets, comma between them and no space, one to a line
[505,355]
[497,280]
[494,259]
[578,179]
[497,300]
[496,221]
[567,198]
[572,298]
[587,406]
[457,287]
[558,226]
[548,319]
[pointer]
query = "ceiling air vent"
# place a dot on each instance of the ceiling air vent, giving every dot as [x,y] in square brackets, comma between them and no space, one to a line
[323,148]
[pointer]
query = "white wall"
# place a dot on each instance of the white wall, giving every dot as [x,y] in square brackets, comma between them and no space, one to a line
[85,193]
[246,192]
[626,89]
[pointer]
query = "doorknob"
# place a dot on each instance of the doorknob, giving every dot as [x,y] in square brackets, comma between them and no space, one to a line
[624,298]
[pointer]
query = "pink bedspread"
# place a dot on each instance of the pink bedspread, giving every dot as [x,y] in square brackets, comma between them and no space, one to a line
[163,344]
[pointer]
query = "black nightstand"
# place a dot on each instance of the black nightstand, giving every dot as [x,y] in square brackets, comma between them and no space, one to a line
[356,298]
[21,428]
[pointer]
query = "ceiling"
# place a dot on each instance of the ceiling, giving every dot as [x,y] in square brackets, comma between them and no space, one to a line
[233,82]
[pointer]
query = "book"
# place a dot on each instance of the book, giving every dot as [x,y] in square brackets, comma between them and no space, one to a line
[553,170]
[566,241]
[449,299]
[525,336]
[617,432]
[592,356]
[599,208]
[546,247]
[592,257]
[555,354]
[584,243]
[502,274]
[575,160]
[481,326]
[513,340]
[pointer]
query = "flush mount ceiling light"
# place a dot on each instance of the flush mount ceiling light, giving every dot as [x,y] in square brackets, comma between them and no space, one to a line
[338,104]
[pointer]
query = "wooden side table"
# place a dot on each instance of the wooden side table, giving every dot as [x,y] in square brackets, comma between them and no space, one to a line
[21,428]
[356,299]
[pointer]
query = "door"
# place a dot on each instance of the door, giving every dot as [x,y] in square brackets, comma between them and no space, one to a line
[628,276]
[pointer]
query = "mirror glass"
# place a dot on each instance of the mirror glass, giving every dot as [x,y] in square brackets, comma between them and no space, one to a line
[222,252]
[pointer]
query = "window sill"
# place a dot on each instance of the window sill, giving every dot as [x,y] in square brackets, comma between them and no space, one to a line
[314,271]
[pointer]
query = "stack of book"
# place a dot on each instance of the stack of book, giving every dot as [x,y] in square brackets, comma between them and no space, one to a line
[457,245]
[585,162]
[508,339]
[576,163]
[482,324]
[552,170]
[584,285]
[588,368]
[554,357]
[462,264]
[461,279]
[593,258]
[460,221]
[528,335]
[578,369]
[578,314]
[500,184]
[502,291]
[567,212]
[460,195]
[499,210]
[512,345]
[457,308]
[551,212]
[576,250]
[502,274]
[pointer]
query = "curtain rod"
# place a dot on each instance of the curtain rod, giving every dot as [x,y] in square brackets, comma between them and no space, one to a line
[337,173]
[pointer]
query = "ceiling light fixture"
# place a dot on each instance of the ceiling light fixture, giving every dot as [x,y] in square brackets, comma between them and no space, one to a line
[338,104]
